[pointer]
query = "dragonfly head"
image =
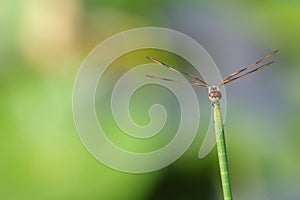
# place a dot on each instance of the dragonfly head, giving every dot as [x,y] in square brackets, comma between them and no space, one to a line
[214,93]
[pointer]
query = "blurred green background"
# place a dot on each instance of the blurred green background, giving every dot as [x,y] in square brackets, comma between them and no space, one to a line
[43,44]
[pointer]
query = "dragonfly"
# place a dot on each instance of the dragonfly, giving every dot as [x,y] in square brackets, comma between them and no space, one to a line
[215,95]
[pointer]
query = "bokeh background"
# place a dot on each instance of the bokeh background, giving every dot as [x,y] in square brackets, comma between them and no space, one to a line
[43,44]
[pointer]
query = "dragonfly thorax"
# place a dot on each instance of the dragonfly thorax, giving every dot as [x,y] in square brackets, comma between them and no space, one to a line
[214,93]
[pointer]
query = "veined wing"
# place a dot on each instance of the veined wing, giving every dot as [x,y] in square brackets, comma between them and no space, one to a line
[177,71]
[237,75]
[176,81]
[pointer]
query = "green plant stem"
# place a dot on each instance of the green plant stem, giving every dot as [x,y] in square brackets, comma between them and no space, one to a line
[222,154]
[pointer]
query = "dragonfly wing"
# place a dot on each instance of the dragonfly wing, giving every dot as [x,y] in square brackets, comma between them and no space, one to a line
[235,76]
[178,71]
[176,81]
